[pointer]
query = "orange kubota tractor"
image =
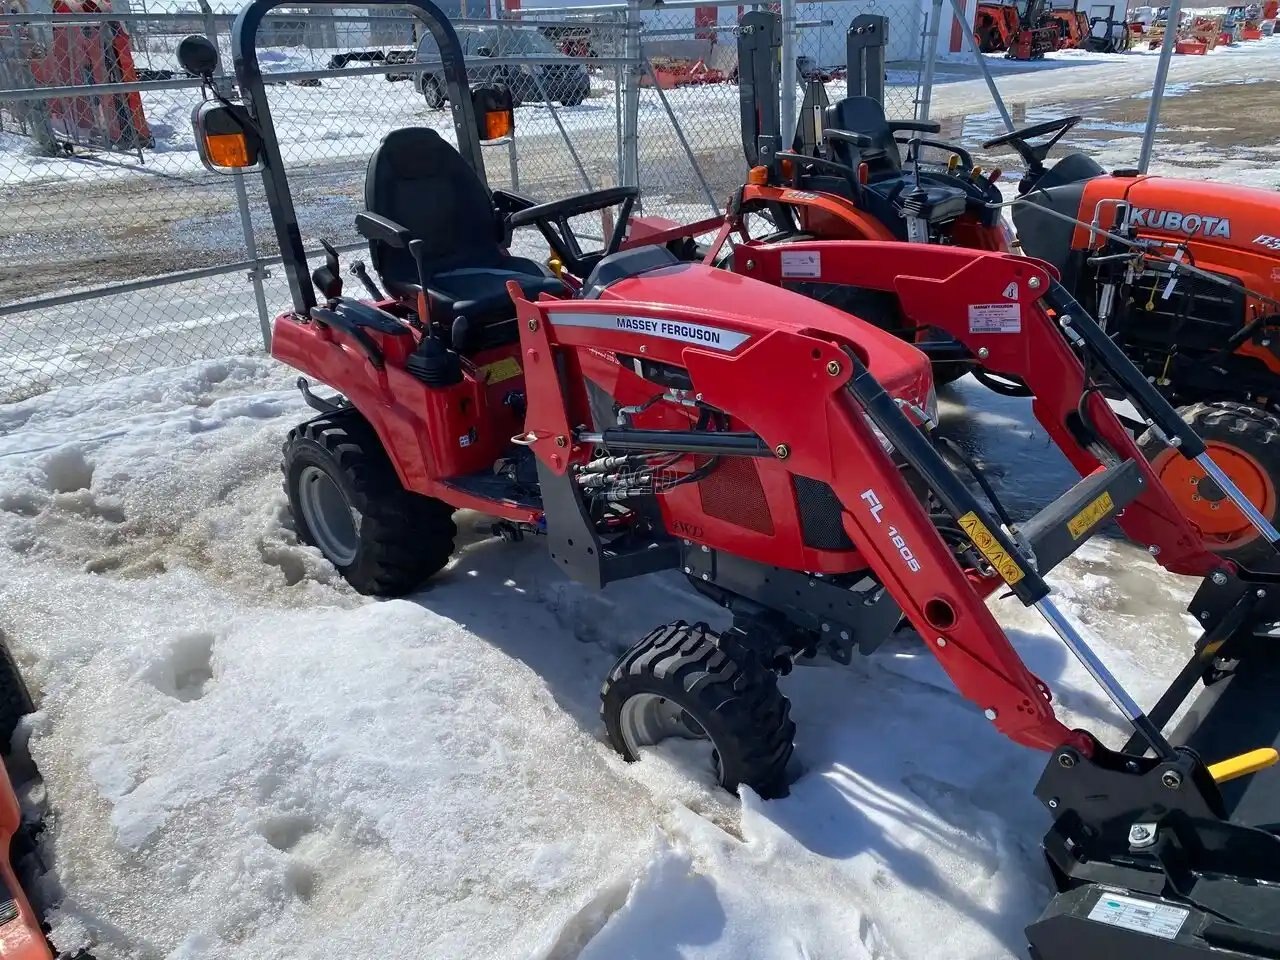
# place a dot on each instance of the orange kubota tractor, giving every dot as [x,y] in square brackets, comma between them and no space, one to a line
[1017,28]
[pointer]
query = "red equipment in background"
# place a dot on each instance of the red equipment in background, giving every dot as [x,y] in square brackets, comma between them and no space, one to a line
[91,52]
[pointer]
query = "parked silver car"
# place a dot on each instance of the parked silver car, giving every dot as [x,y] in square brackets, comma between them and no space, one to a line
[561,79]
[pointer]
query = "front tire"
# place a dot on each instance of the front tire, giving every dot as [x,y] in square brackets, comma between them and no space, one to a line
[685,681]
[1245,442]
[348,502]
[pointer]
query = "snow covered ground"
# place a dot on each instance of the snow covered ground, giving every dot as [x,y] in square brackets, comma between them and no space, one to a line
[245,759]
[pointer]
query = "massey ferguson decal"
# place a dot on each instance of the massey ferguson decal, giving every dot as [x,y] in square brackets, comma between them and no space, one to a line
[1176,222]
[696,333]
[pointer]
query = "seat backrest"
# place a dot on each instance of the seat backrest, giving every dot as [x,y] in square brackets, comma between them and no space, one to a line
[419,180]
[865,116]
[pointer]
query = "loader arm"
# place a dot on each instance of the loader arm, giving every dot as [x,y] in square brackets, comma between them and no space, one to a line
[1161,851]
[994,305]
[768,375]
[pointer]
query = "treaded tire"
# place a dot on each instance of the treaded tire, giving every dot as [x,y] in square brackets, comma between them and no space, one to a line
[403,538]
[1251,430]
[721,684]
[15,699]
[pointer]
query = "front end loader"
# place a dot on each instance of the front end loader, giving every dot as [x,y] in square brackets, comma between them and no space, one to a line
[782,454]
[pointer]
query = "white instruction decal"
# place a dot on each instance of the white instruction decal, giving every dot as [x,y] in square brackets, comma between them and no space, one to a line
[801,263]
[1156,919]
[995,318]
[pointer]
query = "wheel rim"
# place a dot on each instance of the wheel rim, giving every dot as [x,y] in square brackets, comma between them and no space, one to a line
[334,526]
[1221,524]
[647,719]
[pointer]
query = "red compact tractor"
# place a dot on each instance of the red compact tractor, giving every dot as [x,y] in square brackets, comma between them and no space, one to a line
[653,413]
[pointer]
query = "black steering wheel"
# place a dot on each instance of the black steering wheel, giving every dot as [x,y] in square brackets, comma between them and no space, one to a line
[552,221]
[1033,157]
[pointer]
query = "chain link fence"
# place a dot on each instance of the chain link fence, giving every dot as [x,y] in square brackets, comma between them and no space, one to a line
[119,252]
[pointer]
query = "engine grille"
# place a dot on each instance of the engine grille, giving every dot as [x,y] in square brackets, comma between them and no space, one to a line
[732,492]
[1200,315]
[820,513]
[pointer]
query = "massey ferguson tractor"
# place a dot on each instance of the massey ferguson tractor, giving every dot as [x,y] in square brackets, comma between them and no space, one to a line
[639,413]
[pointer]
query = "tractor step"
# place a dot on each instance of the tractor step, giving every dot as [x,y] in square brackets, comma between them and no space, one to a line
[1061,528]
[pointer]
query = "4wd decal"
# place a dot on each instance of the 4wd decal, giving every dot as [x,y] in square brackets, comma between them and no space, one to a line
[896,538]
[1177,222]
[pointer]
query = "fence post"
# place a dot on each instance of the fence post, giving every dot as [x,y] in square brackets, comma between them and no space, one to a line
[620,176]
[787,108]
[631,98]
[931,27]
[1157,87]
[257,272]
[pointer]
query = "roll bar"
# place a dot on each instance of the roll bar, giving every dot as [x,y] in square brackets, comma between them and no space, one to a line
[760,81]
[244,54]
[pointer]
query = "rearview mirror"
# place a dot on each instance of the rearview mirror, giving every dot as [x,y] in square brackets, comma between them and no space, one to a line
[226,138]
[495,114]
[198,56]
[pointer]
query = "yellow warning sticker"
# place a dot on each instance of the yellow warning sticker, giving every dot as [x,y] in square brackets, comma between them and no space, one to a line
[501,370]
[1088,518]
[990,548]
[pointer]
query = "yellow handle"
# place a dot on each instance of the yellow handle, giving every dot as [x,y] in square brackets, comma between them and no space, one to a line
[1245,764]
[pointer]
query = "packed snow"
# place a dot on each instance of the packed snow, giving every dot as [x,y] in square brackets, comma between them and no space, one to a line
[245,759]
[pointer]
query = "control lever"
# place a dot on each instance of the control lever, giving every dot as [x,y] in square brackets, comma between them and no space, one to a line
[361,274]
[328,279]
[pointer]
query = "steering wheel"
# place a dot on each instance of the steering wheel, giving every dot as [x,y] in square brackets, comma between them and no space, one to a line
[1033,157]
[552,221]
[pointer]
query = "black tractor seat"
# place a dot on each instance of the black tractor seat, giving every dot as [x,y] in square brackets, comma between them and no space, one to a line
[891,194]
[419,188]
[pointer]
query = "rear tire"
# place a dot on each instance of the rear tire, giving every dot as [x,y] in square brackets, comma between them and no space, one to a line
[718,687]
[1245,442]
[348,502]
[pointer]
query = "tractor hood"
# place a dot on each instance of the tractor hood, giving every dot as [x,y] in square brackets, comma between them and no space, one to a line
[1193,210]
[902,370]
[1229,229]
